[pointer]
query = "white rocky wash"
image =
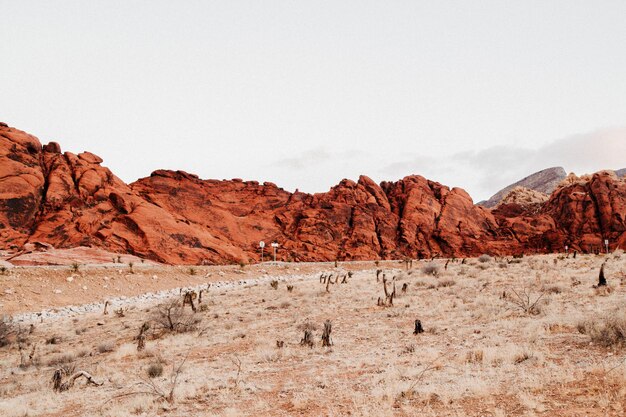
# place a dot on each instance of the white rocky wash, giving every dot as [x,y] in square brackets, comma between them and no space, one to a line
[148,299]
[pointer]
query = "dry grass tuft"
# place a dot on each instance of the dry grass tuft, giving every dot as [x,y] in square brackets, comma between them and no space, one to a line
[607,331]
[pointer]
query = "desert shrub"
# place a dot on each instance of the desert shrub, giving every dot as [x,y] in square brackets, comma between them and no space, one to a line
[4,270]
[7,332]
[62,359]
[503,265]
[172,317]
[606,331]
[106,347]
[483,266]
[431,269]
[446,283]
[475,356]
[192,271]
[527,301]
[155,370]
[75,267]
[484,258]
[54,340]
[553,289]
[523,356]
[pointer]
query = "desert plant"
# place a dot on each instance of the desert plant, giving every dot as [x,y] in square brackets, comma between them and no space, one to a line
[188,298]
[484,258]
[54,340]
[171,317]
[606,331]
[141,337]
[446,283]
[526,300]
[192,271]
[431,269]
[307,339]
[601,277]
[74,267]
[130,267]
[475,356]
[106,347]
[274,284]
[389,295]
[326,340]
[155,370]
[418,327]
[3,270]
[7,331]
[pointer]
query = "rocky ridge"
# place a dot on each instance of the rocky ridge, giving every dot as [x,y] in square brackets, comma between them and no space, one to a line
[70,200]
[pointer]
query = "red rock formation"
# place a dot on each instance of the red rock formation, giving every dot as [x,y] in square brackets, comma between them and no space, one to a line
[70,200]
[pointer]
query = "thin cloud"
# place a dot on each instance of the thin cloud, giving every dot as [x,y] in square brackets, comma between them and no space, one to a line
[484,172]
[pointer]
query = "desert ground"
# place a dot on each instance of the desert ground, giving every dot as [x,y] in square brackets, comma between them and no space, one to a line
[527,336]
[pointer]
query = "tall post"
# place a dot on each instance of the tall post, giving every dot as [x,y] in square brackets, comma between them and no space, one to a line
[262,245]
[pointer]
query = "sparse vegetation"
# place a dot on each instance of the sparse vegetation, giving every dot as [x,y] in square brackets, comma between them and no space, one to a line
[452,343]
[484,258]
[155,370]
[172,317]
[431,269]
[606,331]
[527,301]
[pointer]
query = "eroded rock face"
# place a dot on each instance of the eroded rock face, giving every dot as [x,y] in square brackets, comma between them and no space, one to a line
[70,200]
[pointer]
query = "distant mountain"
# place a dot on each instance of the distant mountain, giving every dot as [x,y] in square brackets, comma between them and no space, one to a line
[621,172]
[544,181]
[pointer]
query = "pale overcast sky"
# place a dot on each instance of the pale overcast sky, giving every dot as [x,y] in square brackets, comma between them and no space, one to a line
[474,94]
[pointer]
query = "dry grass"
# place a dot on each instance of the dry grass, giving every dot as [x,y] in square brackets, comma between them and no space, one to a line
[480,355]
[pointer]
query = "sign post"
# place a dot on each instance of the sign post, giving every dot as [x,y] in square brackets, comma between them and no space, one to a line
[606,244]
[261,245]
[275,246]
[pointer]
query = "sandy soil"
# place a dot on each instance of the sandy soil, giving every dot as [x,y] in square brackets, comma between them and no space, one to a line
[481,354]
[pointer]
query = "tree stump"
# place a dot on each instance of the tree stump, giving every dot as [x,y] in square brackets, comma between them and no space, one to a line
[326,340]
[418,327]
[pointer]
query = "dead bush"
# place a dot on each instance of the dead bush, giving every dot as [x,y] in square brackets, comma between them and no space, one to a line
[7,332]
[606,331]
[106,347]
[484,258]
[172,317]
[446,283]
[62,359]
[155,370]
[526,300]
[431,269]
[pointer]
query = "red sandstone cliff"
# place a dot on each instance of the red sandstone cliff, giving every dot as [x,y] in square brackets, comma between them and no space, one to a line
[70,200]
